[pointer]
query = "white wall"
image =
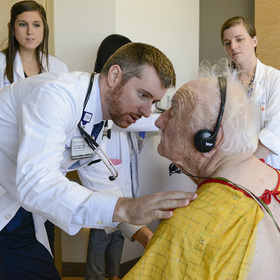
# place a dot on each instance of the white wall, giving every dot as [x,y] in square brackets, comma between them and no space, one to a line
[170,25]
[79,28]
[212,16]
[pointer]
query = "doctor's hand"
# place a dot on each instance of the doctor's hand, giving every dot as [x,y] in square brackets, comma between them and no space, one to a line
[144,210]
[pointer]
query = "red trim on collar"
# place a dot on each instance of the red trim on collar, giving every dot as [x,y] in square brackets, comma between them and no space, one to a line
[266,196]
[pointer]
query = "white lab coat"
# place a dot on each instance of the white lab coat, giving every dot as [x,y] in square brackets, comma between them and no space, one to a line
[55,65]
[266,93]
[38,119]
[123,142]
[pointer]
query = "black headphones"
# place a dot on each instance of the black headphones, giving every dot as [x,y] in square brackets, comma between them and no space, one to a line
[204,140]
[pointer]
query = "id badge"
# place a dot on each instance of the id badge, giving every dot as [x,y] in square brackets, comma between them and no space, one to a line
[80,148]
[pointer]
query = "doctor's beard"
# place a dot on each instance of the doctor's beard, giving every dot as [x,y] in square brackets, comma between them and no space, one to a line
[114,101]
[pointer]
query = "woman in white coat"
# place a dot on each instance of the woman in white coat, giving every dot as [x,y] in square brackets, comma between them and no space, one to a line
[27,54]
[27,51]
[261,82]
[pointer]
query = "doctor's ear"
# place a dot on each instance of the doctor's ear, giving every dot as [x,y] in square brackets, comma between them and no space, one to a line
[114,75]
[255,40]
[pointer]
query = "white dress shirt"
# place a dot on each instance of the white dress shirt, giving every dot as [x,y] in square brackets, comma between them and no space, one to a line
[38,120]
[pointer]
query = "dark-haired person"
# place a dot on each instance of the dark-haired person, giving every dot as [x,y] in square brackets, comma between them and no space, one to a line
[27,52]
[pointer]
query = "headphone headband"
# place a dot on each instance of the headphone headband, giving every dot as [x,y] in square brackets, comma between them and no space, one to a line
[204,140]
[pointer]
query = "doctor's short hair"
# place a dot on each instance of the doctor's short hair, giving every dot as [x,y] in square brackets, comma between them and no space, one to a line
[132,57]
[241,115]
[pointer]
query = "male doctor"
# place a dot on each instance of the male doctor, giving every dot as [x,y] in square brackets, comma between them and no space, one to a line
[40,142]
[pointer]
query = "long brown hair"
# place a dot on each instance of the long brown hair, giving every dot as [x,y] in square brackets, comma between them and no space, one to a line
[13,46]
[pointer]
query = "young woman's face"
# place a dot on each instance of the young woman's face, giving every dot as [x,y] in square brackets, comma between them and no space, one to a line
[29,30]
[239,45]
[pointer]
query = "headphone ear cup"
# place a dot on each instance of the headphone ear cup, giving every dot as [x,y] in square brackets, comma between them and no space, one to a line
[203,141]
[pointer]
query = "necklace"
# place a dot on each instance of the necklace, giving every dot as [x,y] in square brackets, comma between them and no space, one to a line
[250,86]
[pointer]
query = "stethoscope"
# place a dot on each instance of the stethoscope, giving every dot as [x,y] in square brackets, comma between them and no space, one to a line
[91,141]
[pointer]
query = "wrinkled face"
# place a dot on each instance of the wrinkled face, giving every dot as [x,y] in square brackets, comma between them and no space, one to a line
[238,44]
[129,102]
[29,30]
[178,124]
[174,124]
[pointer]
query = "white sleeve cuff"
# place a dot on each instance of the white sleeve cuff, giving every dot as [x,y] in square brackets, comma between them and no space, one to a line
[96,212]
